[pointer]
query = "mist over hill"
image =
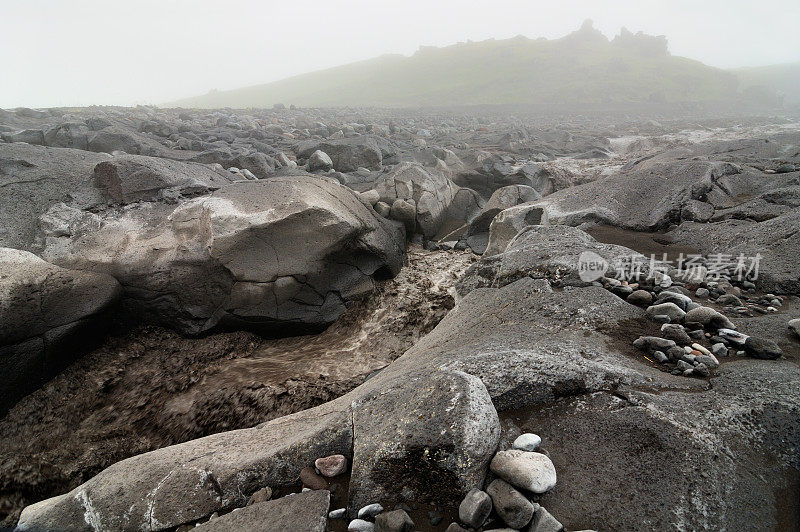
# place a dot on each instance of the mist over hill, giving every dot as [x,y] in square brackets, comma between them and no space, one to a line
[582,67]
[771,84]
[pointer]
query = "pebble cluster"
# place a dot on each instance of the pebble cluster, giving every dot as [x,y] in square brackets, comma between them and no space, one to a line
[687,325]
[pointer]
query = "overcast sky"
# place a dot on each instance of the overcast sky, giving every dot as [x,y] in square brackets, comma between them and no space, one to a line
[83,52]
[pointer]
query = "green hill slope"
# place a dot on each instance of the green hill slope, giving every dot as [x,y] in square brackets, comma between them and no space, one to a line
[774,81]
[583,67]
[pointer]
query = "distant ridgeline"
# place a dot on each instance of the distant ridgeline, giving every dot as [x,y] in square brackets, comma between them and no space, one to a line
[583,67]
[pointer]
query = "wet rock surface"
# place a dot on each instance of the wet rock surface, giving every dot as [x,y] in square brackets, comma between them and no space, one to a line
[441,374]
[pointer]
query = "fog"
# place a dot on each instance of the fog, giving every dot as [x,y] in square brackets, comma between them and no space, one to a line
[59,53]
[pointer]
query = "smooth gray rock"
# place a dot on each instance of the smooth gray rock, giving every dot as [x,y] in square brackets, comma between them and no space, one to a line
[527,442]
[369,511]
[360,525]
[300,511]
[530,471]
[794,326]
[543,521]
[319,160]
[394,521]
[671,310]
[512,507]
[653,343]
[708,318]
[640,297]
[763,348]
[475,508]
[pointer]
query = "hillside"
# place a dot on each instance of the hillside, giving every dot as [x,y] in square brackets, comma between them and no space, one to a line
[582,67]
[781,81]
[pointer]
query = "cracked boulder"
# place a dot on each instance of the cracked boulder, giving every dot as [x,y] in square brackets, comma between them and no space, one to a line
[649,198]
[431,193]
[45,315]
[424,437]
[279,255]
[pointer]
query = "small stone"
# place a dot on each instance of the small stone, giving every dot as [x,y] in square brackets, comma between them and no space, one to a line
[455,527]
[708,317]
[653,343]
[702,370]
[359,525]
[434,518]
[370,510]
[762,348]
[320,160]
[697,334]
[383,209]
[530,471]
[674,353]
[394,521]
[640,297]
[510,504]
[710,362]
[683,365]
[660,357]
[676,333]
[672,310]
[544,522]
[719,350]
[311,480]
[794,325]
[404,211]
[732,336]
[702,293]
[703,350]
[262,495]
[673,297]
[661,318]
[332,465]
[527,442]
[475,508]
[337,514]
[370,197]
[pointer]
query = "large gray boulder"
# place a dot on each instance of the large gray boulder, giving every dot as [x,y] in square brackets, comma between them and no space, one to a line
[115,138]
[650,198]
[131,178]
[431,192]
[556,253]
[279,254]
[347,154]
[420,446]
[45,314]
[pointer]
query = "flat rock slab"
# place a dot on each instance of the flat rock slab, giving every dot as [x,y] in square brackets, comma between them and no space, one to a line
[306,512]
